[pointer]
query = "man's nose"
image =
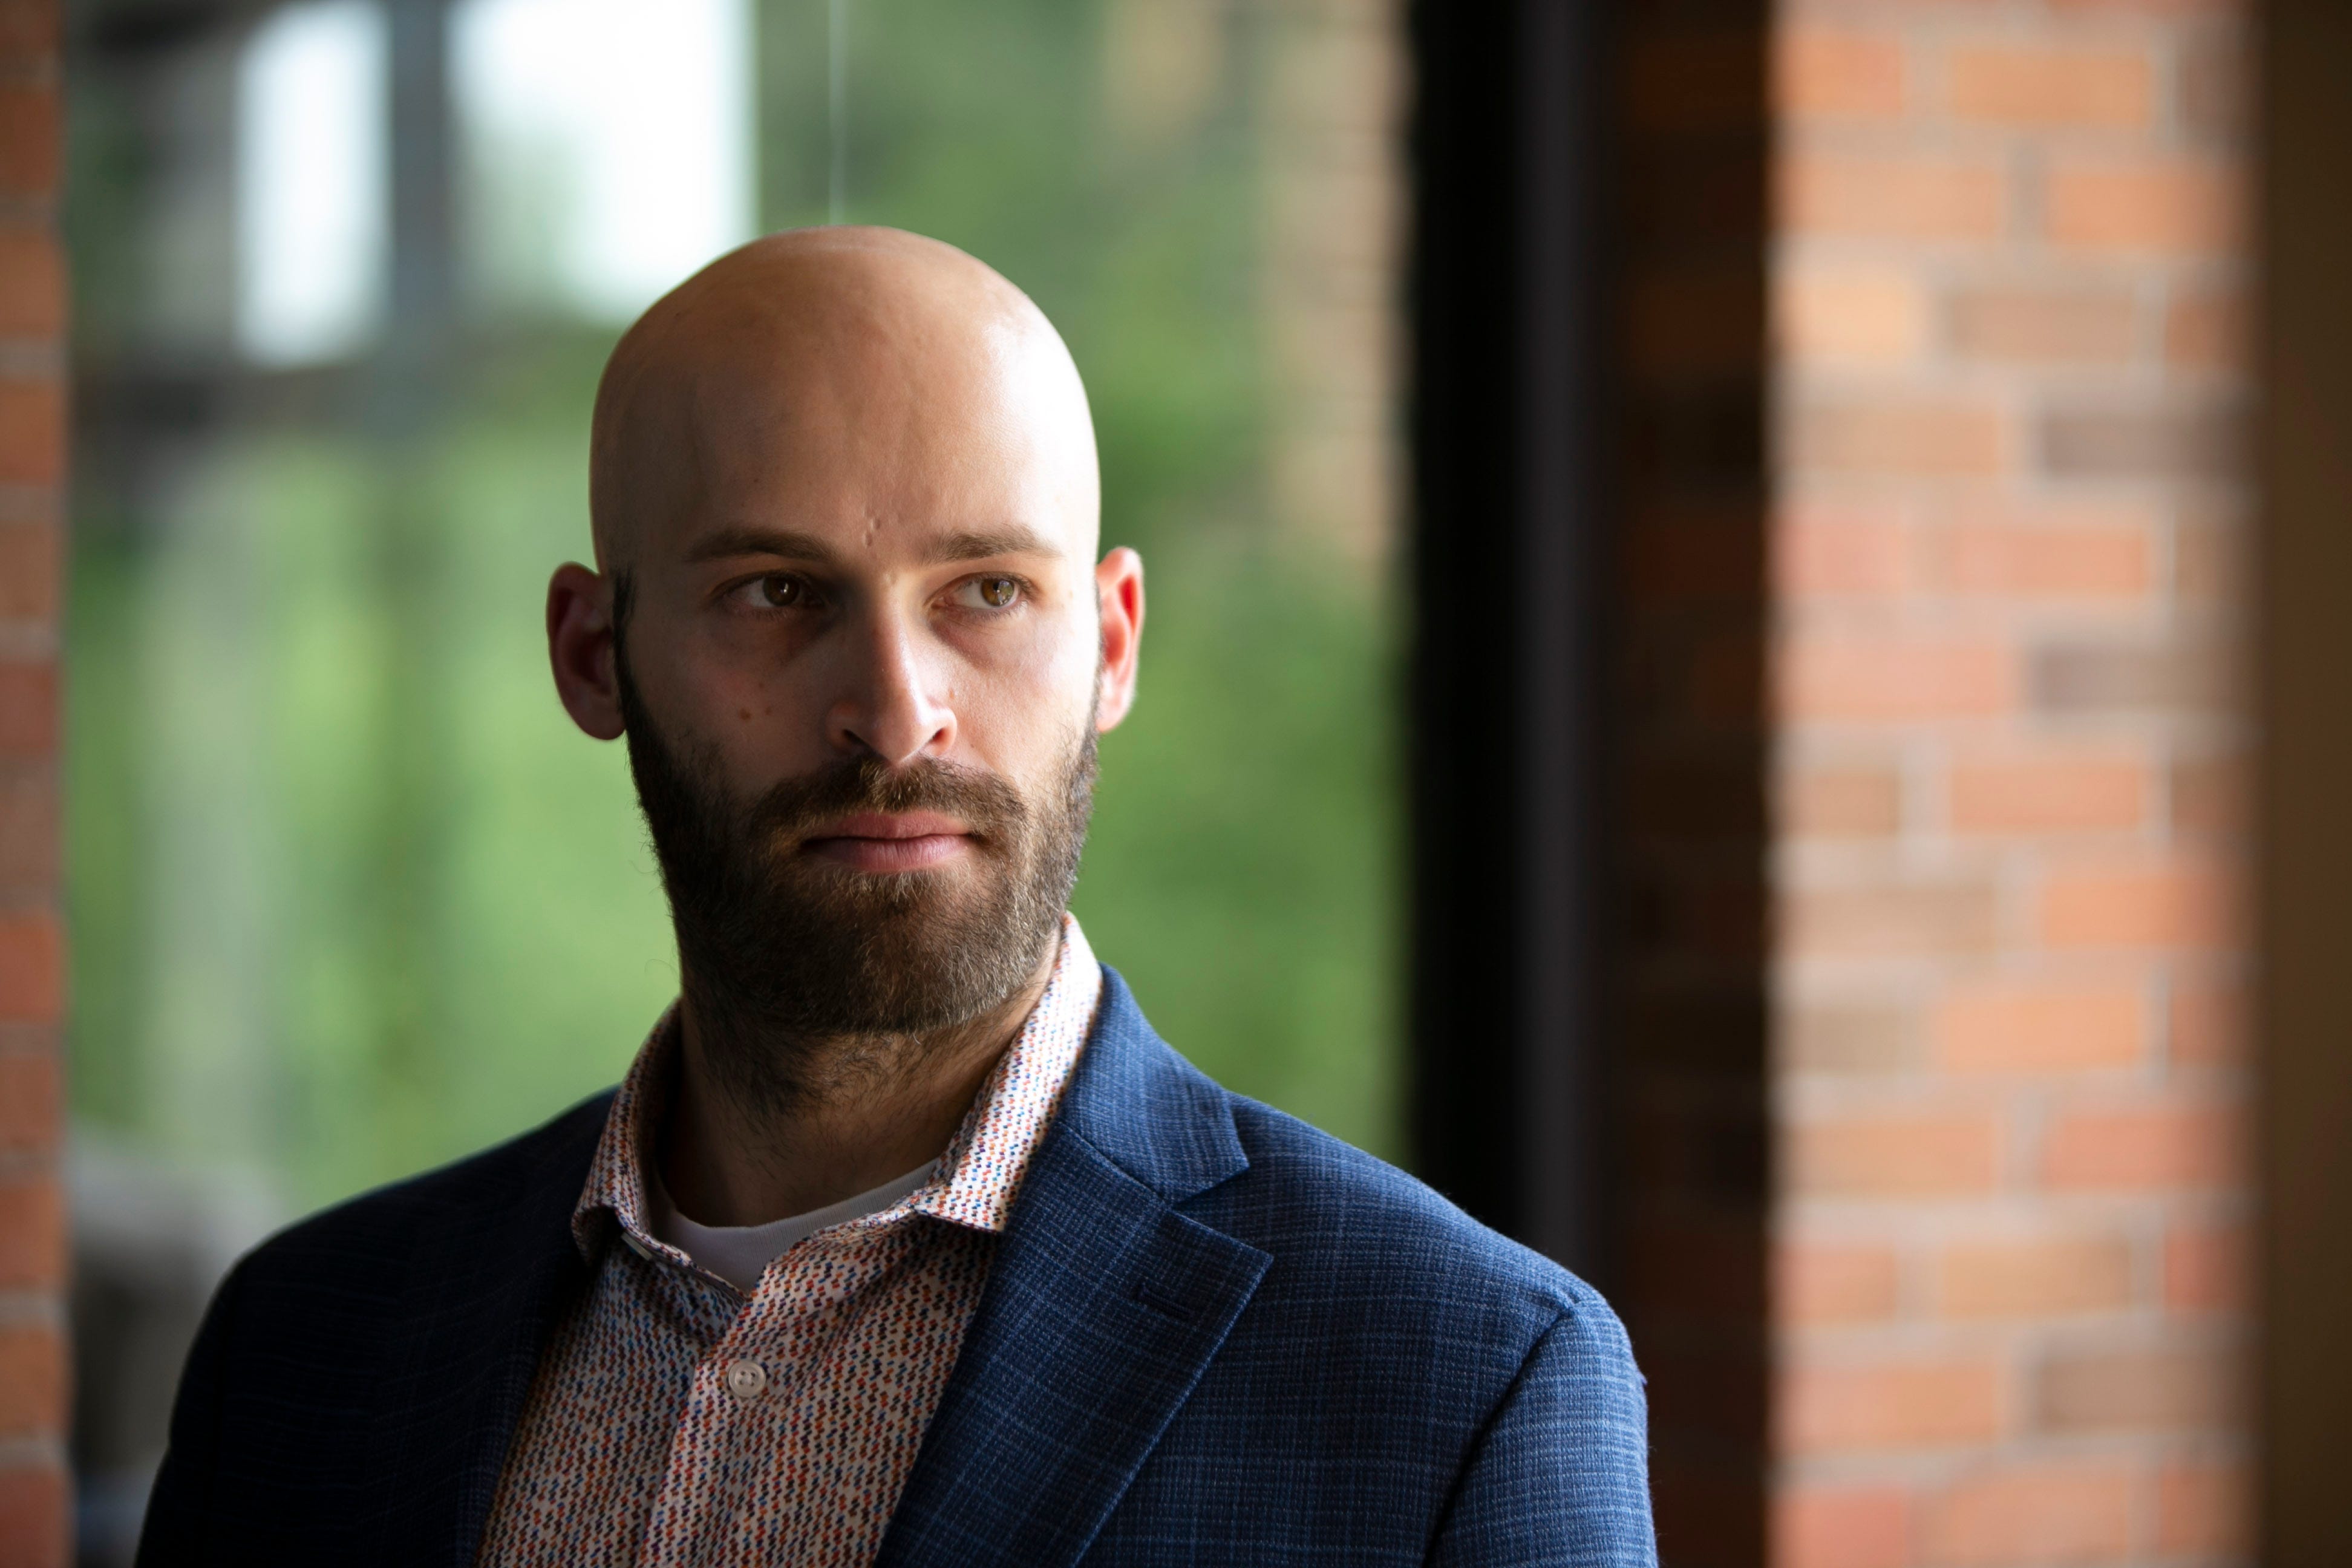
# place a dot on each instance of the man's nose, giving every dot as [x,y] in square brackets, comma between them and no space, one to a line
[890,705]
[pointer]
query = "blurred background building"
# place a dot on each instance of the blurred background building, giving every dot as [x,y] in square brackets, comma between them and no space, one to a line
[1705,683]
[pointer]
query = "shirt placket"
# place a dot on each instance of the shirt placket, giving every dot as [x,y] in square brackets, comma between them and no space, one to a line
[736,1464]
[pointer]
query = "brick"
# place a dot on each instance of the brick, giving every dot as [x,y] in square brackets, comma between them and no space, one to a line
[2201,1509]
[32,1106]
[2207,1268]
[2205,329]
[32,433]
[2082,793]
[1815,1283]
[1922,197]
[2044,326]
[1851,315]
[28,710]
[28,829]
[1893,1154]
[2187,1145]
[1822,553]
[2208,562]
[1902,438]
[2212,87]
[2163,907]
[2208,795]
[2040,1277]
[2167,443]
[1840,803]
[2050,1512]
[32,1233]
[32,988]
[33,1519]
[1836,73]
[28,571]
[1890,679]
[2206,1026]
[2167,1390]
[1938,919]
[2178,207]
[32,285]
[1817,1526]
[2041,1028]
[2123,676]
[28,30]
[1889,1405]
[1843,1038]
[2038,88]
[2089,561]
[28,139]
[32,1381]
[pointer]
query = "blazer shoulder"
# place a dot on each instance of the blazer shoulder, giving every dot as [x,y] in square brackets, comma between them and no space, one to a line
[363,1234]
[1349,1216]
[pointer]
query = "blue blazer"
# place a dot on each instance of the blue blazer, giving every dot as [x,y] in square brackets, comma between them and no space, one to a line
[1211,1335]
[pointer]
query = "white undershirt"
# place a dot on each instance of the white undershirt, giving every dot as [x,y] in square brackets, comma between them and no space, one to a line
[739,1254]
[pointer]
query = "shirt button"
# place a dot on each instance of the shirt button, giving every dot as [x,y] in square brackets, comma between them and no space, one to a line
[747,1379]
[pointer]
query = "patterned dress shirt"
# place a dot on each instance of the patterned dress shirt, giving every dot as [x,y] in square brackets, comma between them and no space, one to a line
[673,1421]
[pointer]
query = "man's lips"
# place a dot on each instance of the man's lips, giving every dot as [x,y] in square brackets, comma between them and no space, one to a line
[882,841]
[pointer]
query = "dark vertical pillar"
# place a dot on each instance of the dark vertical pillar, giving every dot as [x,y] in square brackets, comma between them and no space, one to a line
[2304,865]
[1506,559]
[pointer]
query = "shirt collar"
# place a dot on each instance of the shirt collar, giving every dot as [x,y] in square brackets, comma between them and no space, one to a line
[979,1174]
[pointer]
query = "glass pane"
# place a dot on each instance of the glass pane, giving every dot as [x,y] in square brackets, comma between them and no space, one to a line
[349,895]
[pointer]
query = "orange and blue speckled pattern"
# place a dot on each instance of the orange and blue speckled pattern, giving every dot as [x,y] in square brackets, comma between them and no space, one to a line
[633,1448]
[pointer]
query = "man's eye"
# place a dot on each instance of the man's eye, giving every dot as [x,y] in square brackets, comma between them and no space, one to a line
[781,592]
[994,593]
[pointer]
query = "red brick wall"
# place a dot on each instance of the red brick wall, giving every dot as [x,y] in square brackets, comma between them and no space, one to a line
[32,960]
[2010,1185]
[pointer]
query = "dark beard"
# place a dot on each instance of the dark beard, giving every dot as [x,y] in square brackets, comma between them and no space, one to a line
[780,950]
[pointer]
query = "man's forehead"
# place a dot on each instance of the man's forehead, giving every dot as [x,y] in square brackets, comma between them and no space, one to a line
[816,386]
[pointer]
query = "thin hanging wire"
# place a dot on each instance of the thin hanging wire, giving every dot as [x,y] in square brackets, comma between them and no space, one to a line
[837,101]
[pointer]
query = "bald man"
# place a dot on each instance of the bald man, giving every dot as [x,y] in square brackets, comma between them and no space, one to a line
[905,1239]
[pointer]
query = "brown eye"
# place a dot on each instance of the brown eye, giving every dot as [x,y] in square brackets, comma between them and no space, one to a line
[781,592]
[998,592]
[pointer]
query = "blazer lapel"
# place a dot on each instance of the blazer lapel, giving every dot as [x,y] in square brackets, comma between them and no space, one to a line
[485,1284]
[1103,1305]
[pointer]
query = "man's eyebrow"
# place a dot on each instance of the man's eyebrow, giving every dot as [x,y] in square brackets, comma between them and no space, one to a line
[980,544]
[754,541]
[971,545]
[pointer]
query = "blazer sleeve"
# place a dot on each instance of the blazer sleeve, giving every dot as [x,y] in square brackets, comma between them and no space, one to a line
[173,1533]
[1561,1475]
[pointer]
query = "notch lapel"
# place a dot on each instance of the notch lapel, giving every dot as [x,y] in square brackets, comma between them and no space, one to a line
[1104,1306]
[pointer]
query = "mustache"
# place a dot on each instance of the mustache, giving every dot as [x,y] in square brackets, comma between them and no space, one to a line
[993,809]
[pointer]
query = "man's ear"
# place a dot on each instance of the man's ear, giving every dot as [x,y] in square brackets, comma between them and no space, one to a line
[1118,590]
[580,646]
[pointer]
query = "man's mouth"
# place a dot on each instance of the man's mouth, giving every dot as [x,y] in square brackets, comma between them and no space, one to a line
[884,841]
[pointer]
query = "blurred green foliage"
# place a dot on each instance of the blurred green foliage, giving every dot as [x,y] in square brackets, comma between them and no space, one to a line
[349,895]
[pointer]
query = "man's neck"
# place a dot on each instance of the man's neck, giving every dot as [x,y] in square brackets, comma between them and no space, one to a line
[868,1110]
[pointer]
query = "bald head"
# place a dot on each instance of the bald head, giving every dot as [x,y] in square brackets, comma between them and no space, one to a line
[834,371]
